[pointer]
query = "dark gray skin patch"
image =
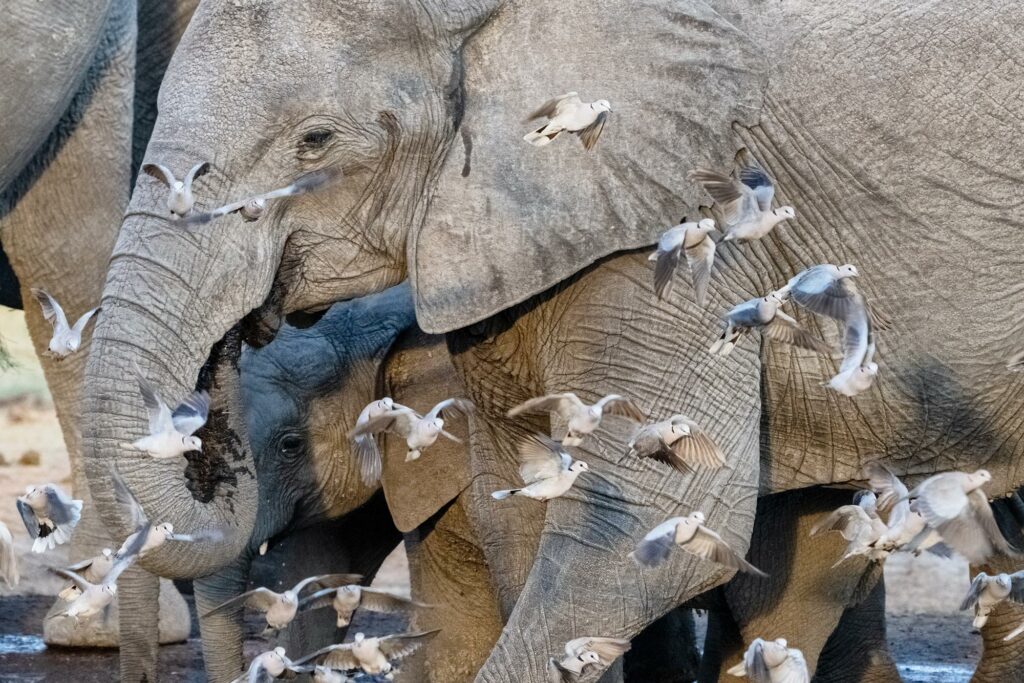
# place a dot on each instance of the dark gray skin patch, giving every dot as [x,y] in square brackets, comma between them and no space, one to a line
[467,145]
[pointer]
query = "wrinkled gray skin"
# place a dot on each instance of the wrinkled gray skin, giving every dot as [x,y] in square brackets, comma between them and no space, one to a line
[80,86]
[892,163]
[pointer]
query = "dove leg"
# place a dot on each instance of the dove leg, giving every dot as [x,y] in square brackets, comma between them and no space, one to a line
[1001,660]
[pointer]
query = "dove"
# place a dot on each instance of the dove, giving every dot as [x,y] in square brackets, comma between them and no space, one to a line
[280,608]
[171,433]
[325,674]
[364,445]
[419,431]
[179,196]
[49,514]
[763,313]
[772,661]
[568,113]
[66,339]
[92,570]
[273,663]
[253,208]
[547,470]
[694,240]
[90,598]
[859,524]
[371,655]
[903,524]
[690,534]
[8,557]
[585,653]
[954,505]
[677,441]
[745,202]
[582,419]
[347,599]
[987,592]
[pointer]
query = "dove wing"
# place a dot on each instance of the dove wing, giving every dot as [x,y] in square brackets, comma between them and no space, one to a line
[160,419]
[197,171]
[28,516]
[319,599]
[404,644]
[198,536]
[590,134]
[398,422]
[124,561]
[382,601]
[368,455]
[849,520]
[760,184]
[129,503]
[188,417]
[161,173]
[208,216]
[698,447]
[73,577]
[975,591]
[757,668]
[58,507]
[308,182]
[614,404]
[559,674]
[80,324]
[260,599]
[608,649]
[785,329]
[726,192]
[701,259]
[540,458]
[819,291]
[710,546]
[334,657]
[670,246]
[52,311]
[458,406]
[657,544]
[554,106]
[563,404]
[327,581]
[857,340]
[886,484]
[793,670]
[1017,586]
[941,499]
[982,513]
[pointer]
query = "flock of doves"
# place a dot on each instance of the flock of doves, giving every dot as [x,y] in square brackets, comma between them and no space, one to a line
[947,512]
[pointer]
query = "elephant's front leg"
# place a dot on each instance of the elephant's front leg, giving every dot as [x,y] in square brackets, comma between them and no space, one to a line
[222,633]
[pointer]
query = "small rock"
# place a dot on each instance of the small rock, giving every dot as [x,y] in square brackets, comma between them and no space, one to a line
[30,458]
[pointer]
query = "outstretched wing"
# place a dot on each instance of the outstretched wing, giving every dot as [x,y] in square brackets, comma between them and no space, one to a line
[160,419]
[701,259]
[710,546]
[458,406]
[398,422]
[885,484]
[1017,586]
[849,520]
[614,404]
[327,581]
[260,599]
[28,516]
[785,329]
[590,134]
[404,644]
[52,311]
[975,591]
[670,247]
[188,417]
[757,179]
[303,184]
[59,507]
[128,502]
[541,458]
[333,656]
[563,404]
[318,600]
[80,324]
[727,192]
[382,601]
[551,108]
[819,291]
[657,544]
[197,171]
[82,584]
[698,448]
[161,173]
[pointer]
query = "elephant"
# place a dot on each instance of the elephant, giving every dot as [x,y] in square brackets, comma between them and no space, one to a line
[533,262]
[80,94]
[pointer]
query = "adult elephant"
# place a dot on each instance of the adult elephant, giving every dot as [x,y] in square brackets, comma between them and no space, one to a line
[524,257]
[79,93]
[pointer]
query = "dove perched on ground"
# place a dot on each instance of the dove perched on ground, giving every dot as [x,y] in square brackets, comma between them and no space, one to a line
[547,470]
[582,419]
[764,314]
[859,524]
[954,504]
[745,201]
[364,445]
[179,197]
[66,339]
[8,557]
[584,653]
[772,661]
[371,655]
[987,592]
[419,431]
[694,240]
[273,663]
[677,441]
[252,208]
[92,570]
[570,114]
[171,433]
[903,524]
[281,608]
[347,599]
[689,534]
[49,514]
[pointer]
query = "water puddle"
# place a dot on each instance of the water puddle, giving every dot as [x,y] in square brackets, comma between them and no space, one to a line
[931,673]
[21,645]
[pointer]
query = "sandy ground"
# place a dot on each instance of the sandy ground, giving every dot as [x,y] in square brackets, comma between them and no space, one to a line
[930,639]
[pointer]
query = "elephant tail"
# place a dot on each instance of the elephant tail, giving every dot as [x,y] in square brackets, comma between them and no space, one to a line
[502,495]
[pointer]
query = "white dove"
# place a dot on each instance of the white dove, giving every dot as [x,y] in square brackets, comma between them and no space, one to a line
[371,655]
[49,514]
[325,674]
[903,524]
[347,599]
[582,419]
[90,598]
[570,114]
[677,441]
[179,196]
[987,592]
[252,208]
[547,470]
[772,661]
[695,240]
[764,314]
[171,433]
[8,557]
[280,608]
[690,534]
[859,524]
[274,663]
[92,569]
[419,431]
[589,652]
[746,201]
[66,339]
[364,445]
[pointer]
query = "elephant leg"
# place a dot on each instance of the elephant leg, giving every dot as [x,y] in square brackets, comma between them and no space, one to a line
[665,652]
[1001,660]
[722,643]
[222,633]
[449,571]
[857,650]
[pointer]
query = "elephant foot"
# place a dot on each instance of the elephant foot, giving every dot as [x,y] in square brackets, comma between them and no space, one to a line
[102,629]
[874,666]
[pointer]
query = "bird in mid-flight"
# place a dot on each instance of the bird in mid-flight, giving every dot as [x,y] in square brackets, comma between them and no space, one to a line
[581,419]
[568,113]
[49,514]
[693,240]
[179,192]
[253,208]
[171,434]
[66,339]
[546,468]
[581,654]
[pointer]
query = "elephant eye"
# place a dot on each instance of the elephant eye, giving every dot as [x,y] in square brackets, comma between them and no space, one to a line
[313,142]
[291,444]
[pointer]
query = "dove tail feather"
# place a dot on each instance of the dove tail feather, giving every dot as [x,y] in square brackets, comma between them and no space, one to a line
[653,552]
[502,495]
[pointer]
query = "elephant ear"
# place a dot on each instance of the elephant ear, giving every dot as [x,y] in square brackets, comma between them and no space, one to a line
[419,374]
[509,220]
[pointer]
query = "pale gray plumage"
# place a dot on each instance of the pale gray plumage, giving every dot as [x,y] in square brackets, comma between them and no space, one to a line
[364,445]
[547,470]
[347,599]
[678,442]
[693,239]
[273,663]
[581,419]
[584,654]
[49,514]
[689,534]
[252,208]
[859,524]
[903,524]
[370,655]
[764,314]
[419,431]
[66,339]
[179,192]
[92,569]
[988,591]
[171,434]
[772,661]
[280,608]
[567,113]
[93,598]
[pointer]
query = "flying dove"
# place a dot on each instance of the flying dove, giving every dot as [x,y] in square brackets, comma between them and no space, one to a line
[171,434]
[325,674]
[569,114]
[65,339]
[8,557]
[252,208]
[364,445]
[49,514]
[694,240]
[371,655]
[92,569]
[746,201]
[582,419]
[547,470]
[584,653]
[179,197]
[274,663]
[772,661]
[281,608]
[764,314]
[953,504]
[677,441]
[859,524]
[419,431]
[903,524]
[690,534]
[347,599]
[93,598]
[987,592]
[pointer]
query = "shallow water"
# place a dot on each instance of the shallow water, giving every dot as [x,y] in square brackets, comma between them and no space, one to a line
[930,673]
[21,644]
